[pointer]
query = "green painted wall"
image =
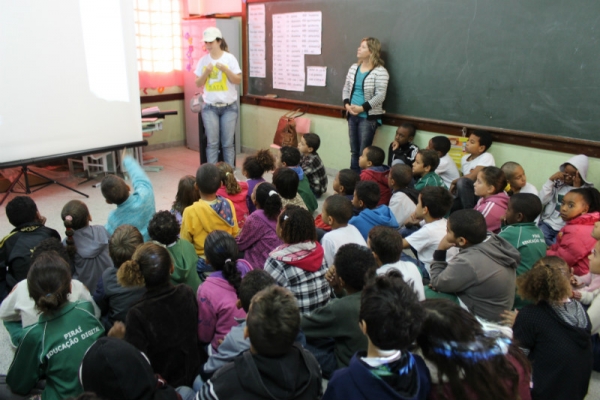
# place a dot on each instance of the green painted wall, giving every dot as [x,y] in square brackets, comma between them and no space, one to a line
[173,126]
[258,127]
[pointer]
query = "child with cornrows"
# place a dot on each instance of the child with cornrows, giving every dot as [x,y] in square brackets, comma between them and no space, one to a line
[86,244]
[259,237]
[217,296]
[253,169]
[234,190]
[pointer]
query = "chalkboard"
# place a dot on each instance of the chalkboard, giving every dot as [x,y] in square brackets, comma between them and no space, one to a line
[524,65]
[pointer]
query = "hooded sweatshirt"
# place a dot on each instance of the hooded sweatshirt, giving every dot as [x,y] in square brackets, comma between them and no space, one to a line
[294,375]
[304,190]
[574,242]
[184,263]
[301,268]
[379,175]
[367,219]
[493,209]
[552,193]
[482,275]
[203,217]
[114,369]
[92,257]
[238,200]
[258,238]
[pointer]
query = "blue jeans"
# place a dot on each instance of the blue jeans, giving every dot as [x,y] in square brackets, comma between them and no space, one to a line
[549,233]
[361,132]
[219,125]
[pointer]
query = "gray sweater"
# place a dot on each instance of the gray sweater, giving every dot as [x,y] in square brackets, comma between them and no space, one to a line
[374,87]
[483,276]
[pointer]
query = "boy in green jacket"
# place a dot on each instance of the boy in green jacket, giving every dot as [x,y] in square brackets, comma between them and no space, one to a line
[522,232]
[332,332]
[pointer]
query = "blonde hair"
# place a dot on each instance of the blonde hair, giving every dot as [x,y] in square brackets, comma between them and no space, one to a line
[228,178]
[375,48]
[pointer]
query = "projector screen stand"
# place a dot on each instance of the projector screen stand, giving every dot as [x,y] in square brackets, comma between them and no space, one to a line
[27,189]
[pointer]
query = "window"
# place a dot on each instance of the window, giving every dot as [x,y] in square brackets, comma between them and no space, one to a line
[158,39]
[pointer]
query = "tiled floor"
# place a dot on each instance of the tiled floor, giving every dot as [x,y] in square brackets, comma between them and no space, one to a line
[177,162]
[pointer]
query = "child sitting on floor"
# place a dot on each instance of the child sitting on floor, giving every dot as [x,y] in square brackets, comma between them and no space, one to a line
[404,199]
[571,175]
[164,229]
[187,194]
[365,199]
[447,169]
[234,190]
[517,180]
[259,237]
[390,317]
[580,210]
[286,184]
[311,163]
[289,157]
[493,200]
[208,214]
[253,169]
[424,168]
[402,150]
[343,184]
[332,334]
[371,162]
[134,209]
[337,211]
[86,244]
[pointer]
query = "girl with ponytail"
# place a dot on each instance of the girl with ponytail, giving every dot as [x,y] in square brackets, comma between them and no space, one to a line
[163,323]
[53,348]
[86,244]
[217,296]
[259,236]
[234,190]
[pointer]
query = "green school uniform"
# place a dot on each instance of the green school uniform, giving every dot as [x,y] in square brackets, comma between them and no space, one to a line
[185,259]
[429,179]
[529,240]
[53,349]
[307,195]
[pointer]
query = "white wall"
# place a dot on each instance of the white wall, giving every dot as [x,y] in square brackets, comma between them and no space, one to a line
[205,7]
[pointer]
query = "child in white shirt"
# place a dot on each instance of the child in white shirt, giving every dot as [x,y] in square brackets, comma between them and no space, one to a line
[447,169]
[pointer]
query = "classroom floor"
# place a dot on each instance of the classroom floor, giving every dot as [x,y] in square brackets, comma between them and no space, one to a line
[177,162]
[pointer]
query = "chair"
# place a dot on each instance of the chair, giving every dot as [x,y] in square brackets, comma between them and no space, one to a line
[95,164]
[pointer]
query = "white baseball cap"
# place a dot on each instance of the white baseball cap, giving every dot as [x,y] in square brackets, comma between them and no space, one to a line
[211,34]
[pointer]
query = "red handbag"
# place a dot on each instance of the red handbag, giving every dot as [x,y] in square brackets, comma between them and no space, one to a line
[286,134]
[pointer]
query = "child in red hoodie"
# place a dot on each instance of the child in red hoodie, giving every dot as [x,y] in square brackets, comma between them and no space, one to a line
[371,161]
[493,201]
[234,190]
[580,210]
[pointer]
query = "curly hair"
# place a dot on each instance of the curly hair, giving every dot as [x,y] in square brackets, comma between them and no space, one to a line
[164,228]
[232,186]
[296,225]
[150,266]
[21,210]
[268,201]
[548,280]
[221,251]
[255,166]
[355,264]
[187,193]
[75,215]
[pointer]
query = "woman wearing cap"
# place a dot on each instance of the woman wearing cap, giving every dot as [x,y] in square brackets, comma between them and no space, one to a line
[363,95]
[218,72]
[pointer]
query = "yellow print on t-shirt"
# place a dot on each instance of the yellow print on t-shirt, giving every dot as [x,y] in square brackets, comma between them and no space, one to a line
[217,81]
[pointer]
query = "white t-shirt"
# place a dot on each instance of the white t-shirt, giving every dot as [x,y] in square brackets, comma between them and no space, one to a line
[529,188]
[426,240]
[335,239]
[218,88]
[484,160]
[402,207]
[410,273]
[447,170]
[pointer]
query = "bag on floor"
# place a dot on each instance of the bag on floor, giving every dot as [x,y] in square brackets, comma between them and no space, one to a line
[287,128]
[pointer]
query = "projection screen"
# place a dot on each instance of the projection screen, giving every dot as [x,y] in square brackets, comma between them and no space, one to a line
[68,79]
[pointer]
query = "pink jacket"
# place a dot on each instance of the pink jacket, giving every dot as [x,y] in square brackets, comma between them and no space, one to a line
[217,307]
[493,209]
[574,242]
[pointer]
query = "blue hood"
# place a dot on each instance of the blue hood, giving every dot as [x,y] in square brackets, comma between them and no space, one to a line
[367,219]
[299,171]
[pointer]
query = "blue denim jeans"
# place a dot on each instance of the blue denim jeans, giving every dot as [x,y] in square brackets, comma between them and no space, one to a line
[219,125]
[549,233]
[361,132]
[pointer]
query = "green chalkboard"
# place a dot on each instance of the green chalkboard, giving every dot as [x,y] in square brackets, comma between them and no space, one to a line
[525,65]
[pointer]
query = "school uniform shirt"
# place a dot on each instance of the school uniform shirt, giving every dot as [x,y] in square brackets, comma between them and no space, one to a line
[53,349]
[304,190]
[239,202]
[184,259]
[218,88]
[426,240]
[335,239]
[429,179]
[447,170]
[493,209]
[410,274]
[139,208]
[367,219]
[315,173]
[404,154]
[401,206]
[483,160]
[379,175]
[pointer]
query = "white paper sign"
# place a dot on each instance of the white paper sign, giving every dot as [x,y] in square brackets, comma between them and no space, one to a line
[256,41]
[316,76]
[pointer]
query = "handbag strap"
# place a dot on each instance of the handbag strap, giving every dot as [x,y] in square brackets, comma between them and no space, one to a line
[298,112]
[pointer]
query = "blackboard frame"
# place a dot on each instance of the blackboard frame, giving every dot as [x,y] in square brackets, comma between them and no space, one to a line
[516,137]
